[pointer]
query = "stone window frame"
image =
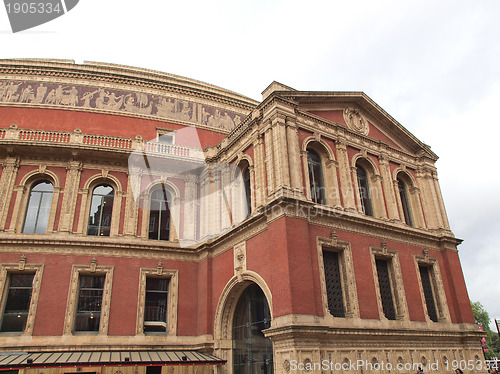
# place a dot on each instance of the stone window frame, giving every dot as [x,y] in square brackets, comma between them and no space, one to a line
[173,298]
[374,180]
[23,194]
[22,268]
[396,279]
[92,269]
[174,208]
[86,202]
[438,291]
[329,167]
[160,131]
[346,265]
[413,195]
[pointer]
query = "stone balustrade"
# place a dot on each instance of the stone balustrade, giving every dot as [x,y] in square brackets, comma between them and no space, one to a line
[78,139]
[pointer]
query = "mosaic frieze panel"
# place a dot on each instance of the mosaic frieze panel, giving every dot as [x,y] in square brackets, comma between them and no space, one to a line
[53,94]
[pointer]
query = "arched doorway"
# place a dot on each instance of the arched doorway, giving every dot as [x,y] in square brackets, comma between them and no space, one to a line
[252,351]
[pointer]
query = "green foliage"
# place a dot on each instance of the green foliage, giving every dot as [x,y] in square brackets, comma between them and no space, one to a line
[481,315]
[482,318]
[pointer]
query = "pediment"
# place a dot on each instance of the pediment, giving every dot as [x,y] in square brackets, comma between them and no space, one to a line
[360,114]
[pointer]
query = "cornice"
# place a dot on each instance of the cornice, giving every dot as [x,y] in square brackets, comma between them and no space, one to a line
[120,74]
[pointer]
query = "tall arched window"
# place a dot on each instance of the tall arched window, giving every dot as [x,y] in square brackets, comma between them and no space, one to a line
[405,203]
[252,351]
[101,210]
[364,190]
[248,191]
[38,211]
[159,215]
[316,177]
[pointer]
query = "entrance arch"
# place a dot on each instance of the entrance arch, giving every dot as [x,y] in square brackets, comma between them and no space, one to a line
[243,311]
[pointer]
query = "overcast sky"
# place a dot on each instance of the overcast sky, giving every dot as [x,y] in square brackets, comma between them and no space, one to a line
[433,65]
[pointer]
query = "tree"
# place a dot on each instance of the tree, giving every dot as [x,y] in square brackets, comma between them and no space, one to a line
[482,318]
[481,315]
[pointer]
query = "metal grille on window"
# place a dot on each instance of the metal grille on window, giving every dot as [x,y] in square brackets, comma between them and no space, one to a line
[428,293]
[333,284]
[88,313]
[384,283]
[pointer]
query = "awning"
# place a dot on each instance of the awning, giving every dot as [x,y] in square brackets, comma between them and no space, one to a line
[37,360]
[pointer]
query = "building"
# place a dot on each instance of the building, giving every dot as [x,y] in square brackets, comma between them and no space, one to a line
[149,219]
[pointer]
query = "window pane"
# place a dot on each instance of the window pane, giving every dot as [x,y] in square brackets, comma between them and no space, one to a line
[88,313]
[156,305]
[364,191]
[18,302]
[248,193]
[403,194]
[252,351]
[101,210]
[38,210]
[159,215]
[316,177]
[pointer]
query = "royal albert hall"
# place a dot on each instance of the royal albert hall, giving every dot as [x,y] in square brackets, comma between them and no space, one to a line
[151,223]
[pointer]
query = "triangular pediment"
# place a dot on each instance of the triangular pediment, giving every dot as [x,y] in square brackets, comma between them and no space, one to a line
[358,113]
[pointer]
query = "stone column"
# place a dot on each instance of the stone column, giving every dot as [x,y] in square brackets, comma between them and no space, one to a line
[389,189]
[190,205]
[282,170]
[293,149]
[131,203]
[7,180]
[73,172]
[268,142]
[259,171]
[346,188]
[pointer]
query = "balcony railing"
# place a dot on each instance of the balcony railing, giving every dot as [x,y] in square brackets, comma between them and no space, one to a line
[77,139]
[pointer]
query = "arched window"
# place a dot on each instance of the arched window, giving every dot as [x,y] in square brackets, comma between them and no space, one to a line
[364,190]
[38,211]
[252,351]
[101,210]
[248,192]
[316,177]
[159,215]
[405,202]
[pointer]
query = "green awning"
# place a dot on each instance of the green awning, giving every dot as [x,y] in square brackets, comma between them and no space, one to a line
[37,360]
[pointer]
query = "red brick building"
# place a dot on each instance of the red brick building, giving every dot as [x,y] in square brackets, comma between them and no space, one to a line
[146,212]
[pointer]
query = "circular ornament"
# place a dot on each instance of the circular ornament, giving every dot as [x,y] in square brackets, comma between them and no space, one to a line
[355,121]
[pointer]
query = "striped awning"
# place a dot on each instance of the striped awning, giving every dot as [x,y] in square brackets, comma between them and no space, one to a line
[37,360]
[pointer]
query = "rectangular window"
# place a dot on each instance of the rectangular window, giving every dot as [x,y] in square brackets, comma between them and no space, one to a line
[18,302]
[333,281]
[156,305]
[88,313]
[384,283]
[428,292]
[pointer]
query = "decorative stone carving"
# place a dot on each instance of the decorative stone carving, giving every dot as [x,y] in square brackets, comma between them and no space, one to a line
[355,121]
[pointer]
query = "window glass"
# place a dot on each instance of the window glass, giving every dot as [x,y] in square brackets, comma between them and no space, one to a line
[364,191]
[88,313]
[403,194]
[252,351]
[18,302]
[248,193]
[38,211]
[316,177]
[156,306]
[101,210]
[159,215]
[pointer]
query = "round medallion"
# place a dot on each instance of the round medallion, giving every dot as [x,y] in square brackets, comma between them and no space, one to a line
[355,121]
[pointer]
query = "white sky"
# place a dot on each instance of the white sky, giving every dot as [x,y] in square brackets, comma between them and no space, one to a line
[433,65]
